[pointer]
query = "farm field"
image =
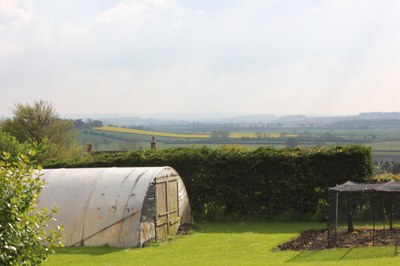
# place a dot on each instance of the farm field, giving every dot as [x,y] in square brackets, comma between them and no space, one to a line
[123,139]
[382,142]
[233,135]
[385,145]
[228,244]
[151,133]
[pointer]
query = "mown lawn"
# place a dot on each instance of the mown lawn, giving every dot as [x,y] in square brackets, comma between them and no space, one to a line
[228,244]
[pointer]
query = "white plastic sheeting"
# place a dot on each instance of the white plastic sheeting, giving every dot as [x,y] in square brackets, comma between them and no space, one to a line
[104,206]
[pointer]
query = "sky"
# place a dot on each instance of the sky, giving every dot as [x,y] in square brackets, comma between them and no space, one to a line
[284,57]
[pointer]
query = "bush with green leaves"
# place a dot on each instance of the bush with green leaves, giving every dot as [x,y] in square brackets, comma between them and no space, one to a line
[23,238]
[10,144]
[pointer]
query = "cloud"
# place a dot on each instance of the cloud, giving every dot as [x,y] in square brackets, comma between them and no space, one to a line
[121,12]
[15,12]
[133,14]
[6,47]
[245,56]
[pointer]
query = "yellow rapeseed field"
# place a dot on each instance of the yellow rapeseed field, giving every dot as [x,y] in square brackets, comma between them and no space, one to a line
[153,133]
[233,135]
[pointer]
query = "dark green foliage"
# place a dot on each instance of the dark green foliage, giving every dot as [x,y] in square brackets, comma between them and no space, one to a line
[239,183]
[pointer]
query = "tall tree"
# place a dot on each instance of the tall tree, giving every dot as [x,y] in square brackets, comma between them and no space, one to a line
[39,124]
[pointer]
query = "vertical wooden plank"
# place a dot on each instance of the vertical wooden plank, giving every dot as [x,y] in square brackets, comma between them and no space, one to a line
[173,206]
[167,215]
[166,204]
[162,222]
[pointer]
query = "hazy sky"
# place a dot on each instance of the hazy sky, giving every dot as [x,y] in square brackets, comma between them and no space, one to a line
[329,57]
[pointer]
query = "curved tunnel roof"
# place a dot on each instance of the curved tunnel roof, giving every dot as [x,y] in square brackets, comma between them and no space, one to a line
[100,206]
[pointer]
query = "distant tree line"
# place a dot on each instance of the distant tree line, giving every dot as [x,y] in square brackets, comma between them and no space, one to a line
[389,167]
[365,123]
[89,123]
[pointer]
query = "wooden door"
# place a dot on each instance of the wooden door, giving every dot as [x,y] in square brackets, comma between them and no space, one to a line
[167,210]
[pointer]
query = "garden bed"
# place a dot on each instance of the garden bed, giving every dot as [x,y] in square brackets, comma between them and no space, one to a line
[317,239]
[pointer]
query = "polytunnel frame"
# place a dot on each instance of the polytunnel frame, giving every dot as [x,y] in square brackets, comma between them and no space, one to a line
[90,201]
[376,191]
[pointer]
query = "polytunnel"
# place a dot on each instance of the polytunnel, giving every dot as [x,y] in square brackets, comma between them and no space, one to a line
[123,207]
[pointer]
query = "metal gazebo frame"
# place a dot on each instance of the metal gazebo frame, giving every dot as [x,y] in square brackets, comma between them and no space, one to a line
[376,192]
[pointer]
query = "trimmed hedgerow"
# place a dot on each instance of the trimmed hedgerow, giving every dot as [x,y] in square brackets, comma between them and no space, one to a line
[263,183]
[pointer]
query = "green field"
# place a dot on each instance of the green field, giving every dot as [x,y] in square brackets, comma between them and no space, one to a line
[392,145]
[228,244]
[108,139]
[382,141]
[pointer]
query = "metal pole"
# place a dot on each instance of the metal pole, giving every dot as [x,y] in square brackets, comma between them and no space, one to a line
[383,210]
[156,210]
[337,210]
[373,223]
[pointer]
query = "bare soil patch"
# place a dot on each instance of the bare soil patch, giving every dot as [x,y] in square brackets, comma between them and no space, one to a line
[317,239]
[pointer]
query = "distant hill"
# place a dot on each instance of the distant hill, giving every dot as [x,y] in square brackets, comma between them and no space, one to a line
[380,115]
[292,118]
[163,119]
[248,118]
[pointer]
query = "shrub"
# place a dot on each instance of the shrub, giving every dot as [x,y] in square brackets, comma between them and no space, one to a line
[9,144]
[23,240]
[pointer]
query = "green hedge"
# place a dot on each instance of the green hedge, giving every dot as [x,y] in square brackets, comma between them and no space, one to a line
[262,183]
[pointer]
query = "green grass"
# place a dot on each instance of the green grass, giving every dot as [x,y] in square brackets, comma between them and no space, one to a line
[228,244]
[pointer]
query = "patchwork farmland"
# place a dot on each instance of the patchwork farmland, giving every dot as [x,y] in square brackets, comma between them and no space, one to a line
[383,141]
[151,133]
[232,135]
[112,138]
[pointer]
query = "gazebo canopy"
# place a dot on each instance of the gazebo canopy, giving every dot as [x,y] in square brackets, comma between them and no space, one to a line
[349,186]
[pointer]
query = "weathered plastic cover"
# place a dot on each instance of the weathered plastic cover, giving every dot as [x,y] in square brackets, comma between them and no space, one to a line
[99,206]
